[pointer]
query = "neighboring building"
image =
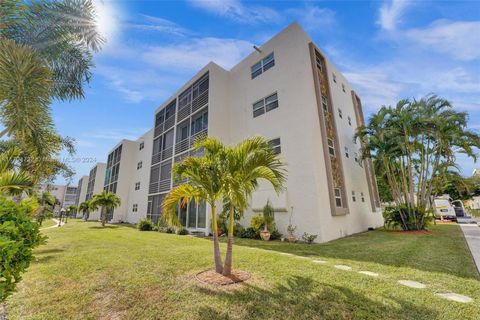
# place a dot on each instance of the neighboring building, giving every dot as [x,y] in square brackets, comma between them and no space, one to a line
[96,181]
[81,190]
[64,195]
[286,91]
[70,196]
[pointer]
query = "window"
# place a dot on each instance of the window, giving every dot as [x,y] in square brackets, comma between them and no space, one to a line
[183,130]
[324,104]
[349,121]
[334,77]
[343,87]
[264,105]
[331,147]
[142,145]
[363,197]
[168,140]
[199,122]
[356,157]
[353,196]
[166,171]
[346,152]
[137,185]
[338,197]
[135,207]
[262,65]
[275,145]
[340,114]
[139,165]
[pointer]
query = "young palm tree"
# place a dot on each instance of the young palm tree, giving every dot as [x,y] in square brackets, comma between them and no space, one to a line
[246,164]
[106,201]
[204,176]
[85,207]
[71,209]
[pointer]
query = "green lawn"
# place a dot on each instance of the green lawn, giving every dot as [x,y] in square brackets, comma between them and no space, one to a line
[85,272]
[48,223]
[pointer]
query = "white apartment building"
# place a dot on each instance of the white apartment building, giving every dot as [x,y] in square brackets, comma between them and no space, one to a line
[81,190]
[96,180]
[127,175]
[65,195]
[287,91]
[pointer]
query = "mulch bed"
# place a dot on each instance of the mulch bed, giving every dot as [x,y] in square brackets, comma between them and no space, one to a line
[213,278]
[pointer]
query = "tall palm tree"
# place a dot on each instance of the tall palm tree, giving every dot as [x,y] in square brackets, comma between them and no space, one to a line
[106,201]
[13,182]
[204,174]
[246,164]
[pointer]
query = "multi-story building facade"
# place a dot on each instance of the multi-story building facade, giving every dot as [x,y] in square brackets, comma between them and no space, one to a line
[287,91]
[96,179]
[70,196]
[81,190]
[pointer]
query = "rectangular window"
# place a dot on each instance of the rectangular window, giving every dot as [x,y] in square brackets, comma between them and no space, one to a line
[275,145]
[346,152]
[331,147]
[338,197]
[343,87]
[137,185]
[142,145]
[363,197]
[166,171]
[139,165]
[349,121]
[324,104]
[199,123]
[135,207]
[262,66]
[264,105]
[340,114]
[353,196]
[356,157]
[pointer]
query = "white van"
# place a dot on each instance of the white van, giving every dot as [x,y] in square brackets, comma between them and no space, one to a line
[444,208]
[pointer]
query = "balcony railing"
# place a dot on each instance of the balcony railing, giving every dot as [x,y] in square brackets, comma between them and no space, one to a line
[188,143]
[162,155]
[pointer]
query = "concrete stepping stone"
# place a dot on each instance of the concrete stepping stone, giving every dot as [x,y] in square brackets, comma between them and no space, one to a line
[412,284]
[343,267]
[369,273]
[286,254]
[455,297]
[319,261]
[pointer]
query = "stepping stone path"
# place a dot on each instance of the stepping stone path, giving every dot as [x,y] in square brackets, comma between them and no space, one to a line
[455,297]
[343,267]
[319,261]
[369,273]
[285,254]
[412,284]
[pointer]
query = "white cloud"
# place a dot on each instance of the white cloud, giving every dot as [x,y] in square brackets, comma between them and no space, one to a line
[313,18]
[116,135]
[459,39]
[151,23]
[196,53]
[237,11]
[391,13]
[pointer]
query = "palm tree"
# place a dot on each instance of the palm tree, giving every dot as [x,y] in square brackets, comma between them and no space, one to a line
[106,201]
[12,181]
[246,163]
[47,203]
[85,207]
[204,176]
[413,146]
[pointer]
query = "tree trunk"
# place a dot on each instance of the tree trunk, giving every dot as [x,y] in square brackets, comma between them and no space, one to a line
[104,216]
[227,268]
[216,244]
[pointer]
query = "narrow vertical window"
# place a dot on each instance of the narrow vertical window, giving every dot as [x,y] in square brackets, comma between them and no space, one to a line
[343,87]
[334,77]
[340,114]
[353,196]
[331,147]
[363,197]
[349,121]
[346,152]
[338,197]
[324,104]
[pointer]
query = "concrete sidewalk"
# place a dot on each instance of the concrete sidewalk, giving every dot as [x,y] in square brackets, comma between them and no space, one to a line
[472,235]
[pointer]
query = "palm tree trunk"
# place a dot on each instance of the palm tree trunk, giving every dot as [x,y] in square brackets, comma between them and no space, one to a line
[104,216]
[227,268]
[216,244]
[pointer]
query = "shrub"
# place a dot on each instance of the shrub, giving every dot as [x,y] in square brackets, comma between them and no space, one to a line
[275,235]
[18,236]
[249,233]
[309,238]
[237,229]
[413,221]
[145,225]
[182,231]
[258,223]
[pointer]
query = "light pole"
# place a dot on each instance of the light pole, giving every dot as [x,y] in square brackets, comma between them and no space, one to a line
[62,212]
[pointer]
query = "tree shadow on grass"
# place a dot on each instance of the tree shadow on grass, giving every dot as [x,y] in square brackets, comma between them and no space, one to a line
[302,298]
[106,227]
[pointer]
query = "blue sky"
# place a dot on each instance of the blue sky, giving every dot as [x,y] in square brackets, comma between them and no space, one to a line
[387,49]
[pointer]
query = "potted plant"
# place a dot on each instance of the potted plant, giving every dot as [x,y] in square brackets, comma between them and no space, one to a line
[291,233]
[268,218]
